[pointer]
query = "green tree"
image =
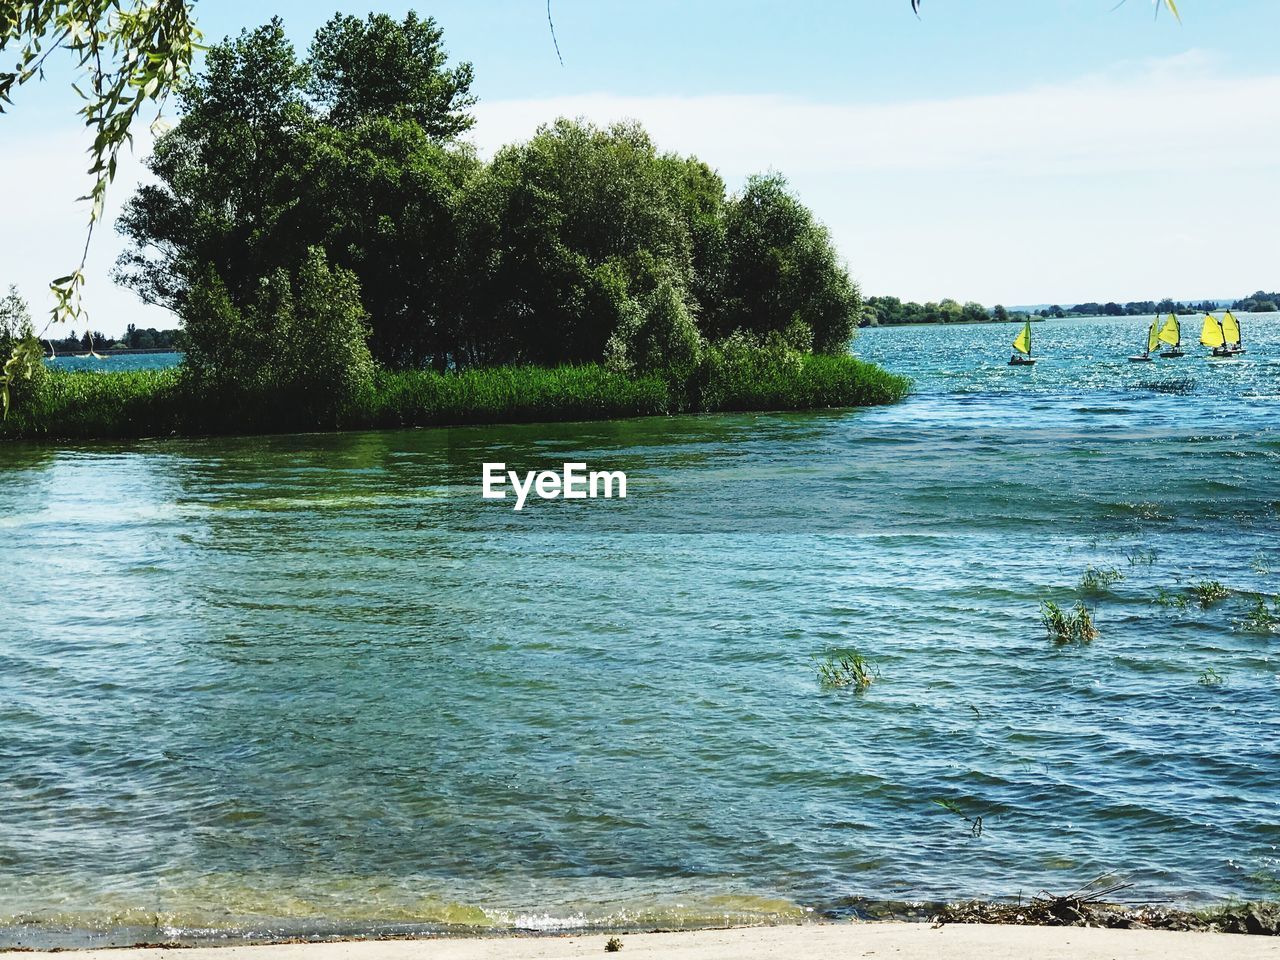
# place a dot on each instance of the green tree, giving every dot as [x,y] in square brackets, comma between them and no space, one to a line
[16,329]
[782,268]
[225,176]
[658,334]
[395,70]
[301,344]
[561,235]
[257,172]
[999,313]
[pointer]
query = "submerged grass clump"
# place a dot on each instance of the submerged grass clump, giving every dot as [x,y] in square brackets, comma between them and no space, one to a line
[1210,677]
[1262,618]
[847,669]
[1141,558]
[1098,580]
[1063,626]
[1209,592]
[1167,598]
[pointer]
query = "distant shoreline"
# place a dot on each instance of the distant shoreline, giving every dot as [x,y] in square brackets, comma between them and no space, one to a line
[121,352]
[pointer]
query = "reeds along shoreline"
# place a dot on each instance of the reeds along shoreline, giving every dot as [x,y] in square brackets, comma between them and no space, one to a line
[82,405]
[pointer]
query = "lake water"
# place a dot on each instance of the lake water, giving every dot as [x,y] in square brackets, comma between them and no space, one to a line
[315,685]
[119,361]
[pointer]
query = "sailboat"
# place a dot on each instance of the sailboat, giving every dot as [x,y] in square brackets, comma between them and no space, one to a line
[1231,334]
[1022,347]
[1213,335]
[1153,341]
[1171,334]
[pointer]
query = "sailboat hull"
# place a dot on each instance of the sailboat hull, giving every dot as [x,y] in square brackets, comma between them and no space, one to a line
[1022,361]
[1140,358]
[1174,353]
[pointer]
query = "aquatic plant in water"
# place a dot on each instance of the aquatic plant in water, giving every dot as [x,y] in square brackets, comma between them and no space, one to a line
[1097,580]
[1209,592]
[1211,678]
[1262,619]
[975,823]
[1167,599]
[847,669]
[1144,558]
[1063,626]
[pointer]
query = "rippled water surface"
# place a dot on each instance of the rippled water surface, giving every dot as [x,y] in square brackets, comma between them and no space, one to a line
[314,684]
[117,361]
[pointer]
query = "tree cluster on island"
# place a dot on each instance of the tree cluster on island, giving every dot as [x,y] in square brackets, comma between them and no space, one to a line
[320,226]
[316,216]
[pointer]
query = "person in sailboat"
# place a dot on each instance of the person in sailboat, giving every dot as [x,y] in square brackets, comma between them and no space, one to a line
[1171,335]
[1233,341]
[1213,336]
[1021,356]
[1153,341]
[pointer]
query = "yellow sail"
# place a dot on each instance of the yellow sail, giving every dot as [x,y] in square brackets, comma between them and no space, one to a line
[1211,332]
[1023,341]
[1171,332]
[1153,337]
[1230,328]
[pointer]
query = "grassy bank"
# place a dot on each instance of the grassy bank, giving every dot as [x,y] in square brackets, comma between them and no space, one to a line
[163,403]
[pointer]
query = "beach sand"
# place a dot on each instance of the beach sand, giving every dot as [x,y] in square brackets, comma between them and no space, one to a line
[881,941]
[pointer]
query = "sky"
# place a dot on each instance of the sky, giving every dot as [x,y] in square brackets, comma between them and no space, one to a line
[1003,151]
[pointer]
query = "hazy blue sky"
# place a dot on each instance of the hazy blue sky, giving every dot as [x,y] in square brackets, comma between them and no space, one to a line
[998,150]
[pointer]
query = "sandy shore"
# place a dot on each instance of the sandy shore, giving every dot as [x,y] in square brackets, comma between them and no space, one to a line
[899,941]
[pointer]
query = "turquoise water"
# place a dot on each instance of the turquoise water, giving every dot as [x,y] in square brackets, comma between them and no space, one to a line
[124,361]
[316,685]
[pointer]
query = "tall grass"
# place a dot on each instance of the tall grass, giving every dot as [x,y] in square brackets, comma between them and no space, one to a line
[84,405]
[847,669]
[1068,626]
[511,395]
[1099,580]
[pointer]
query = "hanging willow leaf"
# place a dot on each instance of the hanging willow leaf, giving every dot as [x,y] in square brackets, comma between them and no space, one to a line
[129,56]
[21,365]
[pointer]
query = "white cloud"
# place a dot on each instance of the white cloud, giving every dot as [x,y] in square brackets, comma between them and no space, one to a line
[1174,114]
[1152,179]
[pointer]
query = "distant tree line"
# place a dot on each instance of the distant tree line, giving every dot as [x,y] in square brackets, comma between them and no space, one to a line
[1133,308]
[132,339]
[316,216]
[888,311]
[1259,302]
